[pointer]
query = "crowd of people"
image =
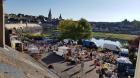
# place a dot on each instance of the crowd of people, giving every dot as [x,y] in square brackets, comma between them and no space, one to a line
[105,62]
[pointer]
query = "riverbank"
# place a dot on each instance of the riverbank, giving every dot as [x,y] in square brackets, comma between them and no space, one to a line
[125,37]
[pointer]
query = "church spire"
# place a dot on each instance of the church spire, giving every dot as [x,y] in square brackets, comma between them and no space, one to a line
[50,15]
[60,17]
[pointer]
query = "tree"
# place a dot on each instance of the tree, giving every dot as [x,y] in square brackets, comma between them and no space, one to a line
[85,29]
[75,30]
[136,23]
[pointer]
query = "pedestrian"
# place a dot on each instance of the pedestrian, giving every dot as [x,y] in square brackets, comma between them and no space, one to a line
[51,66]
[114,75]
[95,62]
[129,76]
[100,74]
[103,70]
[91,55]
[109,74]
[82,67]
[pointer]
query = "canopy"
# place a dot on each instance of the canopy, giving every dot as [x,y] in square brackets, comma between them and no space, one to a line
[63,48]
[124,60]
[33,49]
[124,50]
[16,41]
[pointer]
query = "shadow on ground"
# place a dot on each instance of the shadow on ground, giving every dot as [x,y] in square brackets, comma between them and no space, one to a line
[74,73]
[67,69]
[52,58]
[90,70]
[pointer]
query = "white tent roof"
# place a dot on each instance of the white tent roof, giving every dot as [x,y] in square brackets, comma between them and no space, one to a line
[63,47]
[124,60]
[33,49]
[16,41]
[124,50]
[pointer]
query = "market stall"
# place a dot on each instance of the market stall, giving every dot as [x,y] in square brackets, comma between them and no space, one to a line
[34,51]
[62,50]
[123,64]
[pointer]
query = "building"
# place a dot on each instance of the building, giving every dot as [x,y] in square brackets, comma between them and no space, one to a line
[14,64]
[51,23]
[124,27]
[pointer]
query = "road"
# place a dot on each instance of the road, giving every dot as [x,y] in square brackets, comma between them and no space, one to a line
[70,71]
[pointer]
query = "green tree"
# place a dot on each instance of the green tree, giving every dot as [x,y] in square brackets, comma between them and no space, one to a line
[75,30]
[85,29]
[136,23]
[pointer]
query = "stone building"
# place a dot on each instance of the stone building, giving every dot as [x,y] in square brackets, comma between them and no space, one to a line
[51,24]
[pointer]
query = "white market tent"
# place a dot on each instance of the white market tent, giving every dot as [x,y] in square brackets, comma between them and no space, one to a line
[62,50]
[16,41]
[124,60]
[111,47]
[33,49]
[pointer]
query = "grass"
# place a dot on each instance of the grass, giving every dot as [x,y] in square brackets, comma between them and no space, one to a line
[114,36]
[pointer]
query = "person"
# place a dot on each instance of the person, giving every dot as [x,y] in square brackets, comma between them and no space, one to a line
[82,66]
[110,74]
[51,66]
[129,76]
[73,61]
[114,75]
[95,62]
[100,73]
[103,71]
[91,55]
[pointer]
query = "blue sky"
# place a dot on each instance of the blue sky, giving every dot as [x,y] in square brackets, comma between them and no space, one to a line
[92,10]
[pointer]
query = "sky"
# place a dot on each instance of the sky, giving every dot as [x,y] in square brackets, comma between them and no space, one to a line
[92,10]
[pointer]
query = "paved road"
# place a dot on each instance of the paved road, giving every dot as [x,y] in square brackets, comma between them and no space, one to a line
[70,71]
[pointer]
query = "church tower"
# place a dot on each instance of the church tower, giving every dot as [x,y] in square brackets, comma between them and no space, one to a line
[50,15]
[60,17]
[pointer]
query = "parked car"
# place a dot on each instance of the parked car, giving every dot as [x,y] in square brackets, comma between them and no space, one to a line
[89,44]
